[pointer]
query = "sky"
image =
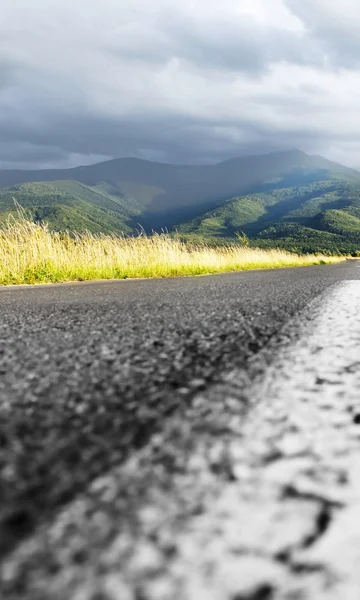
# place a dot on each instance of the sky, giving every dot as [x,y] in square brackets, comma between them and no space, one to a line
[196,81]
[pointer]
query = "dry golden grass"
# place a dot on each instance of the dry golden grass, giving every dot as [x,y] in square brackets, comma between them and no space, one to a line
[30,253]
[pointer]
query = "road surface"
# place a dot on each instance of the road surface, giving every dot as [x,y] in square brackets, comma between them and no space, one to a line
[182,439]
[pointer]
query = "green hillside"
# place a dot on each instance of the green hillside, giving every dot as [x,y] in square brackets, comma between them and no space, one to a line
[342,222]
[287,199]
[319,216]
[166,195]
[72,206]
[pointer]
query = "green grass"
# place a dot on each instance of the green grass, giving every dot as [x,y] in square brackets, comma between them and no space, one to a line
[31,253]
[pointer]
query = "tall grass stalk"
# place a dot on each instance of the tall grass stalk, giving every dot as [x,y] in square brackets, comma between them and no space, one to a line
[30,253]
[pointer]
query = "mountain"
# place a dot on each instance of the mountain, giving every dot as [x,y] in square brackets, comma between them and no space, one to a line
[254,194]
[72,205]
[319,216]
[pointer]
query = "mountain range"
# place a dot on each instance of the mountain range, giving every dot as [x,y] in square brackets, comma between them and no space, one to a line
[288,199]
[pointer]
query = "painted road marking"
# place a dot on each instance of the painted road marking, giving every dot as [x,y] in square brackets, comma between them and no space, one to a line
[266,505]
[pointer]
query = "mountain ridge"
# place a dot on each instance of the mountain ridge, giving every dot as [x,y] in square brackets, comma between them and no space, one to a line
[119,194]
[55,172]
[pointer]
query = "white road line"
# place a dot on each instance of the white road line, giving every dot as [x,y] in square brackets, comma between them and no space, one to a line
[269,509]
[290,523]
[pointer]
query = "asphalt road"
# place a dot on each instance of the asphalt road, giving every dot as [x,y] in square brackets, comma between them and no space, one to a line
[94,374]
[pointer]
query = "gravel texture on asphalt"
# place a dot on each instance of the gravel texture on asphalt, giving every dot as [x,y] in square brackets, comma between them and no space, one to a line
[133,436]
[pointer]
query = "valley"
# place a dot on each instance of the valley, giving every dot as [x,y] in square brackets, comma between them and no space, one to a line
[288,199]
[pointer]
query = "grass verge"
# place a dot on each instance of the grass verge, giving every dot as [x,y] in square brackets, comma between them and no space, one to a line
[30,253]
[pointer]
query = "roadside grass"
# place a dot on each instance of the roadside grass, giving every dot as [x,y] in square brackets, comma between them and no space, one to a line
[31,253]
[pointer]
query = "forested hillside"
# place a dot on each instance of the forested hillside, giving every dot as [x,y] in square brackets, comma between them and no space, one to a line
[72,206]
[319,216]
[286,199]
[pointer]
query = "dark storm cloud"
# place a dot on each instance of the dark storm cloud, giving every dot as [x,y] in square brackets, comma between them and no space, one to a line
[83,81]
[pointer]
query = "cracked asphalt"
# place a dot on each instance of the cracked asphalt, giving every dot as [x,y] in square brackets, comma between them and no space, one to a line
[133,436]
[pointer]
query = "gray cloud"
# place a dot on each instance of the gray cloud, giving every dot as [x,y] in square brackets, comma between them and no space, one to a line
[335,25]
[82,81]
[242,45]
